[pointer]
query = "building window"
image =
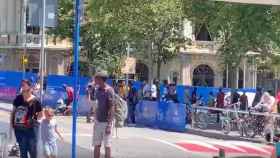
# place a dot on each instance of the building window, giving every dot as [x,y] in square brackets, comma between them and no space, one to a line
[203,75]
[202,33]
[175,77]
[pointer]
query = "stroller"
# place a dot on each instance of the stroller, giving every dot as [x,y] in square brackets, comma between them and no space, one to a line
[14,151]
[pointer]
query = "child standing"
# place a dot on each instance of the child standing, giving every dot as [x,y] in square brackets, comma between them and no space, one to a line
[50,134]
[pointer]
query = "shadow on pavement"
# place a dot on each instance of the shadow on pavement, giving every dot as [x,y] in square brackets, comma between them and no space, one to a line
[65,151]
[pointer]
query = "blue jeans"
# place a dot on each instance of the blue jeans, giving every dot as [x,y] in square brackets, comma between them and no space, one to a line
[131,113]
[27,140]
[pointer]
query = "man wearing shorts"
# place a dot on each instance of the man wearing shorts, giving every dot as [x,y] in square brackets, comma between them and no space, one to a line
[104,116]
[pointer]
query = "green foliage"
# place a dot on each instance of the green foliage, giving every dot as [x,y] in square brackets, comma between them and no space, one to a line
[146,23]
[110,24]
[238,27]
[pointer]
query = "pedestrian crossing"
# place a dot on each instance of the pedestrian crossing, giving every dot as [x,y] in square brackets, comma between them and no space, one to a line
[229,147]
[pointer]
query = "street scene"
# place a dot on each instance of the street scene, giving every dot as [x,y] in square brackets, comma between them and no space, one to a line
[144,142]
[137,79]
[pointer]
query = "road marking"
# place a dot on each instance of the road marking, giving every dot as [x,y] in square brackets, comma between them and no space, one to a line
[166,143]
[199,143]
[249,147]
[228,147]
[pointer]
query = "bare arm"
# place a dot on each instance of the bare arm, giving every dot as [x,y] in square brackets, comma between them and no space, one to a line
[12,117]
[111,113]
[58,133]
[111,110]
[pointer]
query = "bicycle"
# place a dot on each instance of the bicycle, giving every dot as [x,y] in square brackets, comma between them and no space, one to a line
[204,117]
[254,124]
[228,123]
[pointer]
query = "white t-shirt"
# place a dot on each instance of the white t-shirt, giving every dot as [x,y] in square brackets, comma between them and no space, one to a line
[150,90]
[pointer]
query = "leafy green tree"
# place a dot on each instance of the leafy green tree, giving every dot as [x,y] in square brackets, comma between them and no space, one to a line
[238,28]
[154,25]
[110,24]
[101,42]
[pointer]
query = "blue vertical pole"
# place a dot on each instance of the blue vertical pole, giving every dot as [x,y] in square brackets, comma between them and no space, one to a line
[76,75]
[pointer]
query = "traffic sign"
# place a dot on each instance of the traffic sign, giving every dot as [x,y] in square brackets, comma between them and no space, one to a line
[130,66]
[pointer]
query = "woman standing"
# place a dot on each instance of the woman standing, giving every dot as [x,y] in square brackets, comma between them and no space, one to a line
[26,111]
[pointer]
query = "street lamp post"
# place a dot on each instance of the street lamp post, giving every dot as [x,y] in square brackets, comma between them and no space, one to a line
[24,21]
[42,51]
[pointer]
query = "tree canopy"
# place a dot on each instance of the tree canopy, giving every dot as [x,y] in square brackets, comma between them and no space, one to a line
[153,28]
[239,28]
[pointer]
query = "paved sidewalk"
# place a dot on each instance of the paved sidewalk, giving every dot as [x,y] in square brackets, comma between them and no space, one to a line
[6,106]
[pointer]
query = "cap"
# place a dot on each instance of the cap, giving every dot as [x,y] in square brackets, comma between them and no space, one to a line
[102,74]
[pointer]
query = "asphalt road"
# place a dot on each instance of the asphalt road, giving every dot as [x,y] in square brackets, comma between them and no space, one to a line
[132,142]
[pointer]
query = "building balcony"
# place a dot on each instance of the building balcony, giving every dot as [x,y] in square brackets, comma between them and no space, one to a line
[201,47]
[33,41]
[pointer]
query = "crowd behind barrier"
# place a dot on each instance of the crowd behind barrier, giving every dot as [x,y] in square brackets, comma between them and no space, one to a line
[161,114]
[10,83]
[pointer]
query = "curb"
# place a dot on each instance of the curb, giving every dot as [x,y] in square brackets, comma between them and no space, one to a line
[5,109]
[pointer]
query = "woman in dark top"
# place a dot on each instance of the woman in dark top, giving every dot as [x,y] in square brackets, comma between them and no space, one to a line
[194,97]
[26,111]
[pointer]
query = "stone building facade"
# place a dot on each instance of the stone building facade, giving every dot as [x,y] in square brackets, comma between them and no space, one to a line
[198,64]
[17,39]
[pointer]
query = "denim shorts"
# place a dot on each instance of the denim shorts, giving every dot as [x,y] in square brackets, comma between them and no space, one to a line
[50,149]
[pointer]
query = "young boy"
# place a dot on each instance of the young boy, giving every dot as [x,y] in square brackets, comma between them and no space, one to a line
[50,134]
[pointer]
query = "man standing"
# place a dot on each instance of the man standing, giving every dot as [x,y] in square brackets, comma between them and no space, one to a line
[104,115]
[243,102]
[70,97]
[235,97]
[150,92]
[220,102]
[132,100]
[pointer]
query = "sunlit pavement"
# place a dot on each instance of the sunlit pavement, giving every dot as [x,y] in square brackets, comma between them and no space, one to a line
[132,142]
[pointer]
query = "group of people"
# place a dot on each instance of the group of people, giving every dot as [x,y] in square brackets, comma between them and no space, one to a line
[29,115]
[152,91]
[26,118]
[263,102]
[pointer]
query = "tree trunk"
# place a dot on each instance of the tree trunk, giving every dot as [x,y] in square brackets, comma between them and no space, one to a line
[158,69]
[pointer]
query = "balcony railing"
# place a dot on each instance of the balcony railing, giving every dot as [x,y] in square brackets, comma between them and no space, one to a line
[30,41]
[202,47]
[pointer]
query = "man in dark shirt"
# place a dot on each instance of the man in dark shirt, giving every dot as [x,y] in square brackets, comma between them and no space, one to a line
[26,111]
[243,102]
[234,97]
[257,97]
[220,102]
[104,115]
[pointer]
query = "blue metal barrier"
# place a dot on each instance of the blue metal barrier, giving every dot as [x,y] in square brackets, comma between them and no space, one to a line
[172,116]
[164,115]
[146,113]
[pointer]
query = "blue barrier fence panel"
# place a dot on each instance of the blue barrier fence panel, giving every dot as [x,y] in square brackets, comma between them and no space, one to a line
[146,113]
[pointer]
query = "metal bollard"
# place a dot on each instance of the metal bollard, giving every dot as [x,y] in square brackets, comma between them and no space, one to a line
[221,154]
[276,154]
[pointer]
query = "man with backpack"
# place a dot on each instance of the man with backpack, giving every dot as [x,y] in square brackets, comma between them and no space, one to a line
[104,115]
